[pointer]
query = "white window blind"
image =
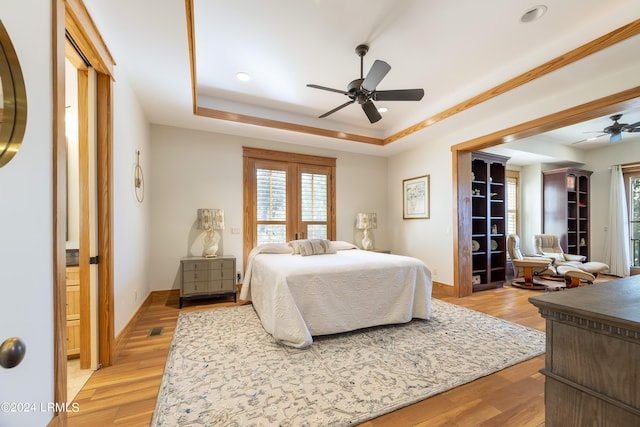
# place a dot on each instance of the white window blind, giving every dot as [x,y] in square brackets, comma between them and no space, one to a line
[314,204]
[271,205]
[512,205]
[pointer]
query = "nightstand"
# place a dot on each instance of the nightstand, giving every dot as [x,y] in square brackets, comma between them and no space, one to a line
[382,251]
[207,277]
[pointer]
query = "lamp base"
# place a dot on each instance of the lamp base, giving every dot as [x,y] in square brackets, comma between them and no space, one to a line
[367,242]
[210,245]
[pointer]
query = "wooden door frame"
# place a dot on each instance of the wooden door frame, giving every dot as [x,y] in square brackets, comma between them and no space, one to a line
[461,161]
[72,18]
[82,76]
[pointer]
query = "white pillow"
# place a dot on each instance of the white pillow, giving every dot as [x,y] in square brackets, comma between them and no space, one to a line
[340,245]
[294,246]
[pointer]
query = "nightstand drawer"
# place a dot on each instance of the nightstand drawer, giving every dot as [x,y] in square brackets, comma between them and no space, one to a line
[221,274]
[221,264]
[195,266]
[196,276]
[194,288]
[226,285]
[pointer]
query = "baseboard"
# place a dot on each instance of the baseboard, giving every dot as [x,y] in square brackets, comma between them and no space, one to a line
[442,290]
[120,339]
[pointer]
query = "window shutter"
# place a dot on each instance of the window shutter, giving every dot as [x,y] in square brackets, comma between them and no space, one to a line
[512,205]
[314,204]
[271,205]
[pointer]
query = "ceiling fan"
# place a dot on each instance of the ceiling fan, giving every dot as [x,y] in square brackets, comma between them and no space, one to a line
[615,130]
[363,90]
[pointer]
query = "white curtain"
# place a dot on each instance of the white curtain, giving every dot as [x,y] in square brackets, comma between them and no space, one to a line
[616,245]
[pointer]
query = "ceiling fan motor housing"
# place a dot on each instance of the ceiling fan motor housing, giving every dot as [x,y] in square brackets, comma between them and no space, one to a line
[357,93]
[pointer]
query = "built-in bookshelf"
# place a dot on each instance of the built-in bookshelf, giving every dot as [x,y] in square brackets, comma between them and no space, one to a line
[566,208]
[488,220]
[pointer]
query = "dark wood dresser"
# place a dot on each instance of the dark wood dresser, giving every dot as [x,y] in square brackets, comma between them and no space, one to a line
[592,364]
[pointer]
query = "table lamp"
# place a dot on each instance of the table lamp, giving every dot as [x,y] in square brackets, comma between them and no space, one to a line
[367,221]
[210,220]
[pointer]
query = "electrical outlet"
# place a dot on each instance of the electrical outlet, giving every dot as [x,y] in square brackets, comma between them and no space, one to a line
[235,230]
[435,271]
[135,295]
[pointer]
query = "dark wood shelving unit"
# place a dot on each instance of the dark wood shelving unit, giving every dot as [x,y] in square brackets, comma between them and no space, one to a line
[488,220]
[566,208]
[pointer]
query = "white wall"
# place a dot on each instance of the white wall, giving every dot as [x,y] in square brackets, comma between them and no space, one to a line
[26,305]
[131,219]
[430,240]
[193,169]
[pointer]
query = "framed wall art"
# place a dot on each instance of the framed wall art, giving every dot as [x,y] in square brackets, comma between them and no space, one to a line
[415,197]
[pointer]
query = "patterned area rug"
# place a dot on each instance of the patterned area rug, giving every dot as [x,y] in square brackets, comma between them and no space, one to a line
[223,369]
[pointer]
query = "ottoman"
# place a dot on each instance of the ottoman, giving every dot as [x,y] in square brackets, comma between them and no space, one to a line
[573,276]
[593,267]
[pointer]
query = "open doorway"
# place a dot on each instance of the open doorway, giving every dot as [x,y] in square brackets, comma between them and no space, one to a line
[461,156]
[81,237]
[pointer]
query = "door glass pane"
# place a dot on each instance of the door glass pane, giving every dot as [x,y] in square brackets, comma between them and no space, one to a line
[271,206]
[317,231]
[272,195]
[634,219]
[314,197]
[272,233]
[512,205]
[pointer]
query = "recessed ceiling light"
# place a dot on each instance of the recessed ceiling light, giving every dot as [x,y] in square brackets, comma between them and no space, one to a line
[243,77]
[533,13]
[383,110]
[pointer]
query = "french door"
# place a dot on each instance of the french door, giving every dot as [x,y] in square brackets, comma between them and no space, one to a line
[287,197]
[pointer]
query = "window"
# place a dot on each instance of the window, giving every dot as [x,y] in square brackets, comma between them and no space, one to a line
[271,205]
[512,202]
[287,196]
[632,182]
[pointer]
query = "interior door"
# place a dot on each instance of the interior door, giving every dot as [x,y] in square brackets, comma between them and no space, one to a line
[81,202]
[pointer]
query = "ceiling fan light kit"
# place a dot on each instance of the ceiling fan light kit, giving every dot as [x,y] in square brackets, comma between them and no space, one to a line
[364,90]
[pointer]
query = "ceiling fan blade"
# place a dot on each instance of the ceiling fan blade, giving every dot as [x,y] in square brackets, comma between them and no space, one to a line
[398,95]
[336,109]
[378,70]
[371,111]
[634,127]
[591,138]
[328,88]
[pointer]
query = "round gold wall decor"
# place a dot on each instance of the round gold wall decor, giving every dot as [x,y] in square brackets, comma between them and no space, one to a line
[13,114]
[138,179]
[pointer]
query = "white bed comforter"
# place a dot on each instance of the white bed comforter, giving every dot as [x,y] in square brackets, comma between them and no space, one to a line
[297,297]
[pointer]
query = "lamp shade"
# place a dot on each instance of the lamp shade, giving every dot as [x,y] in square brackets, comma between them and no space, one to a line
[210,219]
[366,220]
[218,219]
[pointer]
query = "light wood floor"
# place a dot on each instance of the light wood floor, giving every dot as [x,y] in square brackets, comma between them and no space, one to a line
[125,393]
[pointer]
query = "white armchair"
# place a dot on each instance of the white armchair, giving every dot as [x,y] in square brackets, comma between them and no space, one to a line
[548,245]
[527,267]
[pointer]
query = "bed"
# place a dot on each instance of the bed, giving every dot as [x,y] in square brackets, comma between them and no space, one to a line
[298,297]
